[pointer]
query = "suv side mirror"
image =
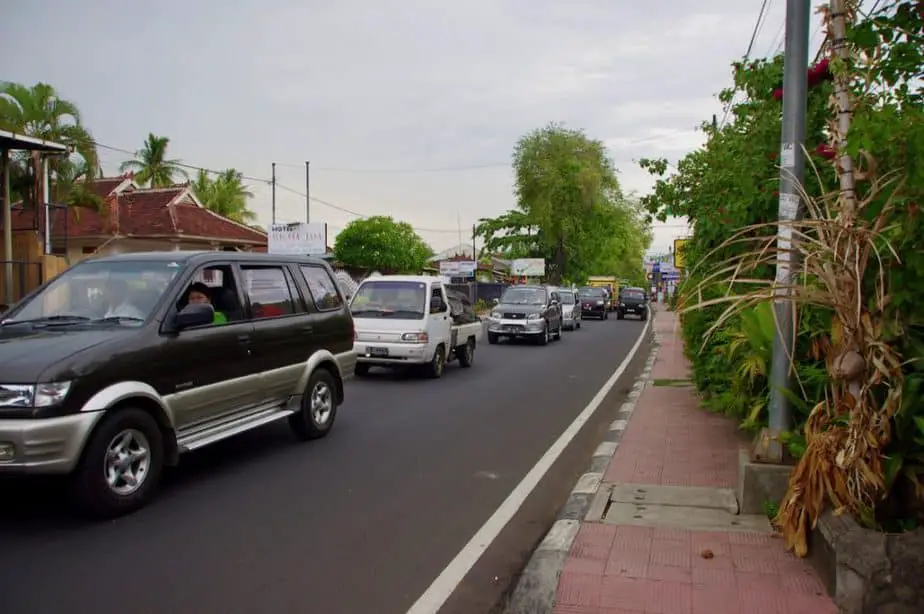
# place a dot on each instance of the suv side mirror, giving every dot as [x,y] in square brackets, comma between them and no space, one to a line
[496,301]
[194,314]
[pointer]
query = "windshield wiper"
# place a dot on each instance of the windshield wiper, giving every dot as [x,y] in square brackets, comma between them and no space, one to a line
[65,319]
[117,319]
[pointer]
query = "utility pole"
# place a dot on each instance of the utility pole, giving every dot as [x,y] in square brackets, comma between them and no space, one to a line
[307,191]
[792,171]
[274,193]
[475,272]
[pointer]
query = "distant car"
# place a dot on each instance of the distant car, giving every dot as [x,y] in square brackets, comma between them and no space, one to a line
[570,309]
[594,302]
[634,301]
[531,312]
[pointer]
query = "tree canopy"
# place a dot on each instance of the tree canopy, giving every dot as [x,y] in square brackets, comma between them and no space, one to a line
[570,210]
[226,195]
[39,112]
[152,166]
[382,244]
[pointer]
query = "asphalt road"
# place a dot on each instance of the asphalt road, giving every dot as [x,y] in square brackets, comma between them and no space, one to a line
[362,521]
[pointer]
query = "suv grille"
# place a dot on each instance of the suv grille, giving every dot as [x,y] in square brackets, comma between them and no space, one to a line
[514,316]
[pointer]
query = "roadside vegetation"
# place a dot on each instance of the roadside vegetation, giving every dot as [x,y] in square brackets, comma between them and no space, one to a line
[859,400]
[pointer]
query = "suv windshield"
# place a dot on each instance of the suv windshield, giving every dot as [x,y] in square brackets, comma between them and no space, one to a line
[633,295]
[124,292]
[567,298]
[523,296]
[591,292]
[404,300]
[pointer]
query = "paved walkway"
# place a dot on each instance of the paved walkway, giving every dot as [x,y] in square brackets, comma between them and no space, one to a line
[632,569]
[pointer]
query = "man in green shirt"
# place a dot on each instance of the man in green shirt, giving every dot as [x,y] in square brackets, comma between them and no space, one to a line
[199,294]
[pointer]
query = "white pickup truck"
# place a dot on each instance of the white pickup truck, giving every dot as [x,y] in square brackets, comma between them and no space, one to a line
[412,321]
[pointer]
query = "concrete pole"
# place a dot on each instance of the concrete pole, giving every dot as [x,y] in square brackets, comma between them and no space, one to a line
[792,171]
[7,229]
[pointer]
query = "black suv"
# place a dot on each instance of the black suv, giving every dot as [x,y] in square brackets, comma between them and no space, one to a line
[120,364]
[532,312]
[634,301]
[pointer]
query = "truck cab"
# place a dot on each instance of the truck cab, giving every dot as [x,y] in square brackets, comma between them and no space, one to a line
[409,321]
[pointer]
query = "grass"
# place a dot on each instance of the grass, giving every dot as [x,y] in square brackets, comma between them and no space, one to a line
[671,382]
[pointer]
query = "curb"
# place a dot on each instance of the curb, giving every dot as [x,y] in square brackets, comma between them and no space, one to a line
[537,586]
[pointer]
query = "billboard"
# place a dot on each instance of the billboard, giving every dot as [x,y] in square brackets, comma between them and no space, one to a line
[528,267]
[298,238]
[679,248]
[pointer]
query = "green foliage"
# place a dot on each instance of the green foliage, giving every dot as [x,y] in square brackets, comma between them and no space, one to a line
[570,210]
[152,166]
[39,111]
[382,244]
[732,182]
[226,195]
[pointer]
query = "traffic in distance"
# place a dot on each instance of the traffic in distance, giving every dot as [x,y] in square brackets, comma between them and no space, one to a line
[120,365]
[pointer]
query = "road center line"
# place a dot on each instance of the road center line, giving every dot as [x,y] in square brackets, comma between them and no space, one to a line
[449,579]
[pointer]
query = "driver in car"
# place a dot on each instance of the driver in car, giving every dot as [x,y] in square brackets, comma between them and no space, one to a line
[199,295]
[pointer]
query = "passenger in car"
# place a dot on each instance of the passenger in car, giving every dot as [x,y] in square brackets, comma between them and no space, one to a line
[199,294]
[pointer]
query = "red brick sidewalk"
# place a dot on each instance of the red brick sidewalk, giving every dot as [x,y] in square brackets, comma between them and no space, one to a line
[622,569]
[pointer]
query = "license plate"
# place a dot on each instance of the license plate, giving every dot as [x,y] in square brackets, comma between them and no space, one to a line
[377,351]
[511,329]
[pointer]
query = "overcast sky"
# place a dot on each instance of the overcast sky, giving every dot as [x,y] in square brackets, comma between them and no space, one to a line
[379,93]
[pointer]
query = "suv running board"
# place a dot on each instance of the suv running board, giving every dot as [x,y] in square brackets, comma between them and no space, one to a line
[208,433]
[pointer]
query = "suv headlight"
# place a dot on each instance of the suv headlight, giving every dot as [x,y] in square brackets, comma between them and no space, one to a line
[600,302]
[496,315]
[27,395]
[533,316]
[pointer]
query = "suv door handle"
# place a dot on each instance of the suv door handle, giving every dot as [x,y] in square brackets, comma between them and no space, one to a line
[243,339]
[308,328]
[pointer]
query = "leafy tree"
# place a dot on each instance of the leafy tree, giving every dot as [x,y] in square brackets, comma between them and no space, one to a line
[570,210]
[226,195]
[382,244]
[38,111]
[152,166]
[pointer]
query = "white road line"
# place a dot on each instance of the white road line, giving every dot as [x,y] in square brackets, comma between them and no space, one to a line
[449,579]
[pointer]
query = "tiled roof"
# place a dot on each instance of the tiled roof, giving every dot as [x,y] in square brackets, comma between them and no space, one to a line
[139,213]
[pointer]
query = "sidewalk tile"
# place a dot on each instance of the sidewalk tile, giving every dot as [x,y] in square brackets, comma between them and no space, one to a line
[642,570]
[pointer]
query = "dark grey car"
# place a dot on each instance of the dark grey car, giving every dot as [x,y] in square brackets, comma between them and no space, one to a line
[632,301]
[531,312]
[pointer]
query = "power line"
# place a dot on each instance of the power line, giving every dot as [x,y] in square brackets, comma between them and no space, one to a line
[183,165]
[757,27]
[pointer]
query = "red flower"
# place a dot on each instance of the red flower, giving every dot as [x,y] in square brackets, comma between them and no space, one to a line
[826,151]
[778,93]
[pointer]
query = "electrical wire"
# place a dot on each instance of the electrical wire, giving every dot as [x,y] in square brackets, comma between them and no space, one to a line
[334,206]
[757,27]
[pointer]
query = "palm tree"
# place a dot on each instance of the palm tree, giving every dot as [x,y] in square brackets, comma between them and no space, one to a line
[152,166]
[226,195]
[39,112]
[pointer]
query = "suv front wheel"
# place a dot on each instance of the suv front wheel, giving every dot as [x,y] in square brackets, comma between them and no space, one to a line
[121,465]
[319,407]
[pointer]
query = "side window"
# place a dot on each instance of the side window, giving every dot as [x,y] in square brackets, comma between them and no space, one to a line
[323,289]
[556,297]
[214,284]
[437,292]
[268,290]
